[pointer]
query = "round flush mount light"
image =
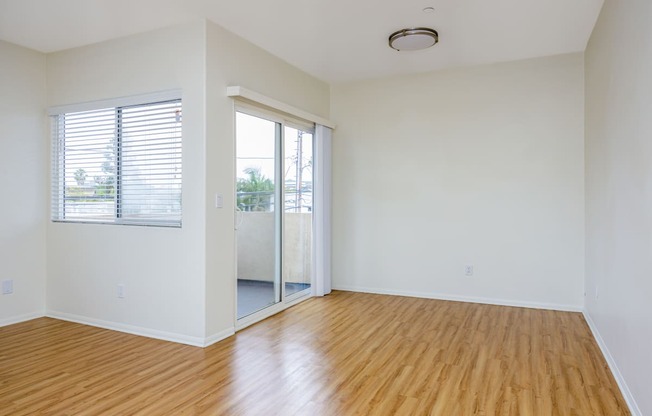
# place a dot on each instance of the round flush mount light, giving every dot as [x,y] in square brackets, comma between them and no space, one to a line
[413,39]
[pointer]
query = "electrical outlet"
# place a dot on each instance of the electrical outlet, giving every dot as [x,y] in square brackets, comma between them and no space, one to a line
[121,291]
[468,270]
[7,287]
[597,293]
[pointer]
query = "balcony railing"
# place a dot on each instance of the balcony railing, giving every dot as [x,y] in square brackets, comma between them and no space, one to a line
[263,201]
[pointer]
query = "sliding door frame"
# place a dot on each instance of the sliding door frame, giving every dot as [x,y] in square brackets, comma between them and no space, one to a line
[279,195]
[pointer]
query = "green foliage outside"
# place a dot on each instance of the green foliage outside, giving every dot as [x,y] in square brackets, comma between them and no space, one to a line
[255,192]
[80,176]
[104,184]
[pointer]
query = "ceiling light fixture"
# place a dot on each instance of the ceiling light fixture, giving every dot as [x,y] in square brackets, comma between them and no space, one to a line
[413,39]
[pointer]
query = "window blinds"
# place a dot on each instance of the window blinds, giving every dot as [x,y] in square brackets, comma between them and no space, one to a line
[118,165]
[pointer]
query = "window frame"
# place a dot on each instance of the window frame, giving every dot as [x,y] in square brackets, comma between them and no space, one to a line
[57,173]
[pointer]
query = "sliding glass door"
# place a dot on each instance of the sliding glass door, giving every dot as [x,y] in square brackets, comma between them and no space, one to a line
[273,212]
[257,231]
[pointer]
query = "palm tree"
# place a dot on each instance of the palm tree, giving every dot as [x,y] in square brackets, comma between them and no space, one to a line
[255,192]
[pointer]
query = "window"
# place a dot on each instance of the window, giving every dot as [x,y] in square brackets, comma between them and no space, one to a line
[118,165]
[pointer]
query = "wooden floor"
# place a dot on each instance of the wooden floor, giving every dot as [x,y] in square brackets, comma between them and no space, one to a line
[345,354]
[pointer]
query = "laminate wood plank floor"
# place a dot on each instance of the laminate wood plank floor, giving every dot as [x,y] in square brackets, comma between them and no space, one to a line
[344,354]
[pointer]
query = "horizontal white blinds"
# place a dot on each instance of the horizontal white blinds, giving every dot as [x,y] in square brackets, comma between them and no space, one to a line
[118,165]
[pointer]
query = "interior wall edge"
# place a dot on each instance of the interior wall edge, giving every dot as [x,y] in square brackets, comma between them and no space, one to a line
[219,336]
[22,318]
[615,371]
[458,298]
[128,329]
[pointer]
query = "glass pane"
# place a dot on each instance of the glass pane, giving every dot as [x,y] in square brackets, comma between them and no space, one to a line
[257,233]
[150,163]
[89,165]
[297,212]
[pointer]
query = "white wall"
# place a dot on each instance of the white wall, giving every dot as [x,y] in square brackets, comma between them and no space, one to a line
[234,61]
[23,170]
[180,283]
[479,166]
[163,269]
[619,192]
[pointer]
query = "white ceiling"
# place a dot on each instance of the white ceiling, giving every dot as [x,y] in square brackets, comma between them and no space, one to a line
[334,40]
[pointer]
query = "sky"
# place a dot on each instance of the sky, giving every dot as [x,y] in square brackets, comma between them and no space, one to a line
[255,143]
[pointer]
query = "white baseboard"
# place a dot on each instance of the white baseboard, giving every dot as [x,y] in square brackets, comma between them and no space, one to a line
[456,298]
[218,337]
[21,318]
[624,388]
[141,331]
